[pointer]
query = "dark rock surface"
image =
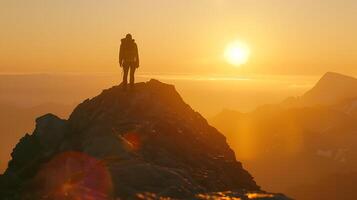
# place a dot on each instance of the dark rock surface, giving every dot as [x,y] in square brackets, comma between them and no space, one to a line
[126,144]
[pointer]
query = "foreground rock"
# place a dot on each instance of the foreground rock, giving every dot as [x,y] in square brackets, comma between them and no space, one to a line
[144,143]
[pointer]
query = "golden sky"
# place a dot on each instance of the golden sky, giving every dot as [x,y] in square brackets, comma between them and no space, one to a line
[179,36]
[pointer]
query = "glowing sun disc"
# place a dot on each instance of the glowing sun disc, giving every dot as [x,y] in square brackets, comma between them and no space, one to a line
[237,53]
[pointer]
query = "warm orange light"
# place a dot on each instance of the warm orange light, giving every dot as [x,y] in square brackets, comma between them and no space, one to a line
[74,175]
[133,140]
[259,195]
[237,53]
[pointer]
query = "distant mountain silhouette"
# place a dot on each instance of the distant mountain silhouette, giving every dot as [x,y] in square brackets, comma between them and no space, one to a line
[303,143]
[145,143]
[16,120]
[331,89]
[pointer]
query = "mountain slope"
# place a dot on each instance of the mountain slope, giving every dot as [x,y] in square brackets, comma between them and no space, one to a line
[331,89]
[309,140]
[125,144]
[301,146]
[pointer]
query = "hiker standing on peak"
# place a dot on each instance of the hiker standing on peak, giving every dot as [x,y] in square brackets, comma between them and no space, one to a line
[128,58]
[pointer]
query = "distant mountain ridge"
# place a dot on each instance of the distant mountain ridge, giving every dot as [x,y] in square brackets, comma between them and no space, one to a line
[331,89]
[304,141]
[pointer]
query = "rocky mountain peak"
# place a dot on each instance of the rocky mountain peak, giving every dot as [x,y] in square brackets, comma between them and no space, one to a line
[127,144]
[332,80]
[332,88]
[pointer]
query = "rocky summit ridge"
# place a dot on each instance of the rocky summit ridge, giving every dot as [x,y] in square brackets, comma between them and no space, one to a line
[145,143]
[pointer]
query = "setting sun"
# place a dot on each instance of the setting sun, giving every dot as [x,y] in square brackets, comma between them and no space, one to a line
[237,53]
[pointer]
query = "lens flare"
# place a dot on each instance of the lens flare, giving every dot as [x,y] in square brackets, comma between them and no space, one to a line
[73,175]
[133,140]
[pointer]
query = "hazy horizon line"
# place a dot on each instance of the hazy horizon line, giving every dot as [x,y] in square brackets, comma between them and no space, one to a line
[165,75]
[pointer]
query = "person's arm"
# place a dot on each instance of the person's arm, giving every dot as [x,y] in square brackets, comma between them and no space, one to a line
[121,55]
[137,55]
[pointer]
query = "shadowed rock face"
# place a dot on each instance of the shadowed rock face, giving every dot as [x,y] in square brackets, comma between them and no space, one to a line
[125,143]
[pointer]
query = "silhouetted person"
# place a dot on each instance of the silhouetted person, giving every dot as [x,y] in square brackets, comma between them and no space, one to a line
[128,58]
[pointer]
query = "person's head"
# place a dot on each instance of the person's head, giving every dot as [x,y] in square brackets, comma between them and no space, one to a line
[129,36]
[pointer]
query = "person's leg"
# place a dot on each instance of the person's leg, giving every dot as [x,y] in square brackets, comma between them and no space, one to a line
[132,78]
[125,75]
